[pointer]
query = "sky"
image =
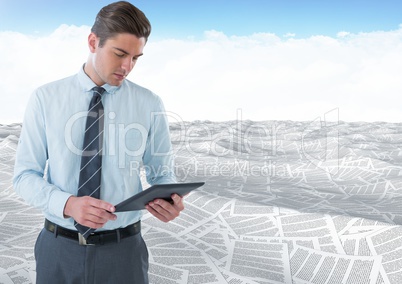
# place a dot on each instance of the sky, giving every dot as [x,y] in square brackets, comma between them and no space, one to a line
[211,60]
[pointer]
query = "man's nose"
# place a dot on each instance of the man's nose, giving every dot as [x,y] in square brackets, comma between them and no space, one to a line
[127,64]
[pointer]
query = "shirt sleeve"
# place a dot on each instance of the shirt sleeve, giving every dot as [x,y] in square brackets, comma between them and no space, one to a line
[158,157]
[30,163]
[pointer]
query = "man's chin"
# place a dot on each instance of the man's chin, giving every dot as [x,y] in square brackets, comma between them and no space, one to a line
[116,83]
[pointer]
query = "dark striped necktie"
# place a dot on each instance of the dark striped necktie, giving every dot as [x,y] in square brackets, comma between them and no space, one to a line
[91,160]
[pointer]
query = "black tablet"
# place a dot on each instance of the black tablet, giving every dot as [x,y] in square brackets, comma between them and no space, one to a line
[162,191]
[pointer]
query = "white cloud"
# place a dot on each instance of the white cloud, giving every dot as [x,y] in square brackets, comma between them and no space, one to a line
[265,76]
[28,62]
[342,34]
[289,35]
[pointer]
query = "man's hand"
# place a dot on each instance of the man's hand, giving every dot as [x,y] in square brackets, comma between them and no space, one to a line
[88,211]
[164,210]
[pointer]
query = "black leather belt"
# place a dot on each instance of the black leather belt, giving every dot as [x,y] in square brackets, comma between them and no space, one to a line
[96,238]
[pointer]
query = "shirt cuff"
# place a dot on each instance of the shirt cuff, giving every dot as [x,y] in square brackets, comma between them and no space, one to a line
[57,203]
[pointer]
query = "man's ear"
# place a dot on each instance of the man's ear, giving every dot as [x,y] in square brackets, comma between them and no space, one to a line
[92,42]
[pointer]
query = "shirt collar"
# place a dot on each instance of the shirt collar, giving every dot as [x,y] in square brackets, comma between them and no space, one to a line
[87,84]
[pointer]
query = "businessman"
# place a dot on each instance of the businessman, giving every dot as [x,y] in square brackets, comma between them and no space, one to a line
[83,141]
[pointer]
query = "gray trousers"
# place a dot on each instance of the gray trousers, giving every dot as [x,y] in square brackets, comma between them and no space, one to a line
[63,261]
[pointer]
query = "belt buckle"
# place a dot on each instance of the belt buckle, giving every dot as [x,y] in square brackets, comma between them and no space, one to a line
[82,241]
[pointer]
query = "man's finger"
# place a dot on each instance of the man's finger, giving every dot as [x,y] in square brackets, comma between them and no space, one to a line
[165,209]
[101,215]
[156,213]
[178,202]
[102,205]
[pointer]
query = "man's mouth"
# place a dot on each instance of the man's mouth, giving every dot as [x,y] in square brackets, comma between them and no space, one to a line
[119,76]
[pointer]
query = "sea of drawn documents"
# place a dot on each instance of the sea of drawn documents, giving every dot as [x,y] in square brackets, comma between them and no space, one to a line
[284,202]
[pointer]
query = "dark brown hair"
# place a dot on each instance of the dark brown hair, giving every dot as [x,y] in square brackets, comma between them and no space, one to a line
[120,17]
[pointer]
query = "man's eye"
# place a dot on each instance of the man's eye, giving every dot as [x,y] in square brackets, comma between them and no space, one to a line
[120,55]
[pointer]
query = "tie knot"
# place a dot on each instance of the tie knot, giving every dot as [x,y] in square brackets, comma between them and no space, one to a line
[98,91]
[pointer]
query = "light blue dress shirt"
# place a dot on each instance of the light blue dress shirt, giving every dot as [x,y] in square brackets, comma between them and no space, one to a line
[136,134]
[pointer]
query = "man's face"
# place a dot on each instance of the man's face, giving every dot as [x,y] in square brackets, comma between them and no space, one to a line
[112,62]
